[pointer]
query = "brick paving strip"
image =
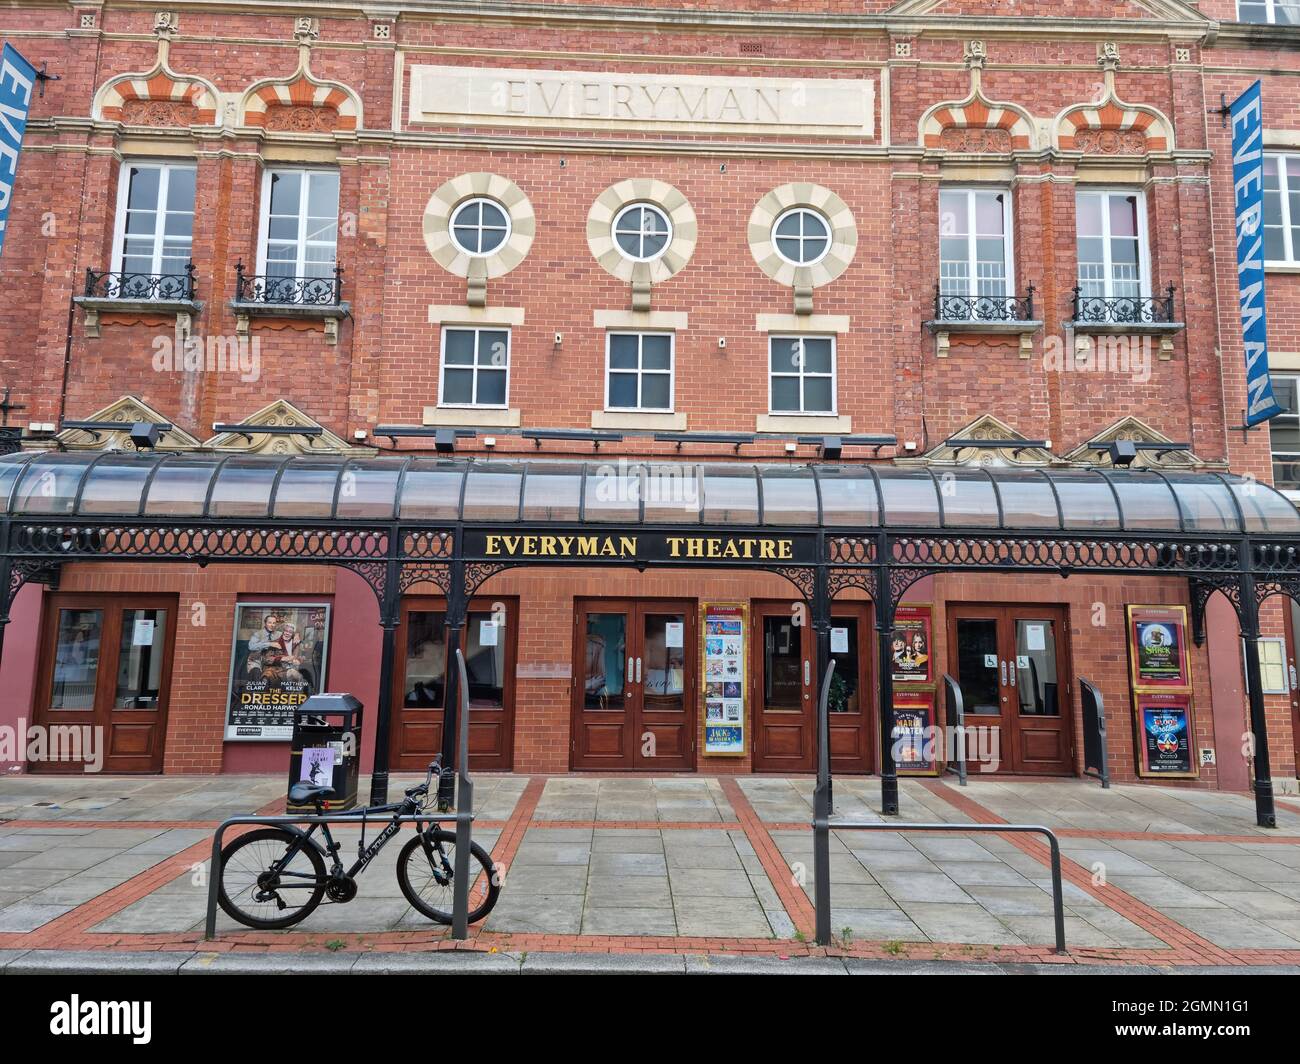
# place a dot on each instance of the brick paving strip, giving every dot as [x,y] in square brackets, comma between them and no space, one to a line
[1119,901]
[793,899]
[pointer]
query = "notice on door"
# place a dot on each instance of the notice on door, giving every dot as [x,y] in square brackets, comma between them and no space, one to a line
[674,633]
[839,640]
[722,662]
[142,633]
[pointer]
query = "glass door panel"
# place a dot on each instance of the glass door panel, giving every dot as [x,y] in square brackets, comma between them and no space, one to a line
[140,659]
[662,665]
[977,664]
[782,664]
[604,677]
[845,695]
[485,659]
[426,659]
[1035,671]
[76,659]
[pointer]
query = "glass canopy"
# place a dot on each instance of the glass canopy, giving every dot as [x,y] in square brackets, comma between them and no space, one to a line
[177,485]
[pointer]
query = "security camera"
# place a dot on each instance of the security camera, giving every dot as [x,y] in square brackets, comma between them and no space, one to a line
[722,343]
[559,339]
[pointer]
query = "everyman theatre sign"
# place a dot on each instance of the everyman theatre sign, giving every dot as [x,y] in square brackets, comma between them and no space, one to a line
[1248,196]
[559,546]
[17,76]
[693,103]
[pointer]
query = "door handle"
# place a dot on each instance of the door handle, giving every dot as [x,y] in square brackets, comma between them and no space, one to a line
[631,670]
[1011,671]
[1004,672]
[807,673]
[638,670]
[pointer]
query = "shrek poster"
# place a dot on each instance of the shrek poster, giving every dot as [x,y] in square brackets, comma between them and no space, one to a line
[1158,646]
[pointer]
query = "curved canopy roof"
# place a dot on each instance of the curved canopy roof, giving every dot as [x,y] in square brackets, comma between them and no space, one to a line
[193,486]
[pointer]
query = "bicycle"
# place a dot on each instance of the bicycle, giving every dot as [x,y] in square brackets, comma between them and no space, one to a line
[262,866]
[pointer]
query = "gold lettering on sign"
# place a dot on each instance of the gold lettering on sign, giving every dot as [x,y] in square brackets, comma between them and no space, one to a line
[701,548]
[560,546]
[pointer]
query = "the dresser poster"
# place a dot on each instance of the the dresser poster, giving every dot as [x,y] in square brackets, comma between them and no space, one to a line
[913,733]
[722,630]
[1165,745]
[1158,646]
[277,663]
[910,647]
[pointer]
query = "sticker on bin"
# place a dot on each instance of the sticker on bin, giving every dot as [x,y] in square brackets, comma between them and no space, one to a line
[318,766]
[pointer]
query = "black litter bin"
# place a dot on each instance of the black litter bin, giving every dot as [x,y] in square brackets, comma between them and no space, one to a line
[326,750]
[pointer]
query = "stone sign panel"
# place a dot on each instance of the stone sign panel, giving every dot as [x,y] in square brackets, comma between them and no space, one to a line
[479,96]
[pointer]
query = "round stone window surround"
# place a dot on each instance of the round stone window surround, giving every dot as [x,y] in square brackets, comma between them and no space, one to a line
[683,228]
[442,207]
[820,200]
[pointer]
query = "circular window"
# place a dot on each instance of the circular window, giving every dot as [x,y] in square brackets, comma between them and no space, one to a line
[801,236]
[480,226]
[642,232]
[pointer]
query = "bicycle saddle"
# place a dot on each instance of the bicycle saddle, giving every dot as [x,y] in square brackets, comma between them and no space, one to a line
[302,793]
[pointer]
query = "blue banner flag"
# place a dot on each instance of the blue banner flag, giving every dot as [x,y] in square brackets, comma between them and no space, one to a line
[1248,196]
[17,76]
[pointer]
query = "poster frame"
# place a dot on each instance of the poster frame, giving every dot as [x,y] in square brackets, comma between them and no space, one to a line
[1178,617]
[923,612]
[1179,700]
[702,699]
[923,700]
[228,729]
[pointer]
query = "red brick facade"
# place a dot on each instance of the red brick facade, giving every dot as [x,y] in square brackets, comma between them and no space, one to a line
[1150,126]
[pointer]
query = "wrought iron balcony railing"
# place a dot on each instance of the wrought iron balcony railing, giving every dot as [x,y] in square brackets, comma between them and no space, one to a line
[144,286]
[1124,310]
[974,309]
[275,290]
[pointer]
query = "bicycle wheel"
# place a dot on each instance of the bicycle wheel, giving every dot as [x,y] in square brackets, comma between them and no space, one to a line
[257,896]
[427,879]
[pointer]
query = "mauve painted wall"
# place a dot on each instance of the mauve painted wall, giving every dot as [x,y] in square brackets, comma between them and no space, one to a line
[355,638]
[18,665]
[1227,691]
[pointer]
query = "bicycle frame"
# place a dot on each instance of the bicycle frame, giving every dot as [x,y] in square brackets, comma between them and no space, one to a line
[331,848]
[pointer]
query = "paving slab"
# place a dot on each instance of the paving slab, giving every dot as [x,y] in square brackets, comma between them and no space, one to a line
[437,962]
[269,963]
[603,964]
[861,966]
[98,962]
[765,965]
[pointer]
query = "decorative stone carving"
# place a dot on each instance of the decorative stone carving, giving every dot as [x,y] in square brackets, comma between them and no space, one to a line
[1111,142]
[301,119]
[159,113]
[976,141]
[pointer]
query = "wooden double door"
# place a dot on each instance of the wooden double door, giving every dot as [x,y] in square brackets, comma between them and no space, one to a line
[634,685]
[489,642]
[105,680]
[785,689]
[1011,662]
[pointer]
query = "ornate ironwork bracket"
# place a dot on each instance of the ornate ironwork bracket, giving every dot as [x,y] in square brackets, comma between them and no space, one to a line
[413,573]
[900,579]
[838,580]
[1202,587]
[29,572]
[804,577]
[374,573]
[478,573]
